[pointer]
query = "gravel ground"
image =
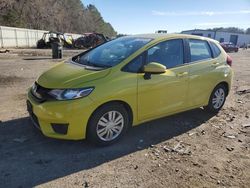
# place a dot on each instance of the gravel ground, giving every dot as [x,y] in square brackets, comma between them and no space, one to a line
[191,149]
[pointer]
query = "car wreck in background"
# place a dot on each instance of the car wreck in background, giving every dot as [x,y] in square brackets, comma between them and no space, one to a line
[49,37]
[229,47]
[87,40]
[90,40]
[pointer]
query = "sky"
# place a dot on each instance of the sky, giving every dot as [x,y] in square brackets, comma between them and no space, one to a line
[147,16]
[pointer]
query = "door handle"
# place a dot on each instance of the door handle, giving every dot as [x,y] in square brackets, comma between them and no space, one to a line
[181,74]
[215,64]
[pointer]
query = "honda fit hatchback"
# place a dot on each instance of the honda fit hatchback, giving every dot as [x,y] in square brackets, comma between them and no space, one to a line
[101,92]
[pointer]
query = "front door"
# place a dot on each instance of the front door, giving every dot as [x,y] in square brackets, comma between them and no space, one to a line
[164,93]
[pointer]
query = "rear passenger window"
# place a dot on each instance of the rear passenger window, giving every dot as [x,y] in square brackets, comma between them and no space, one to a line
[199,50]
[216,50]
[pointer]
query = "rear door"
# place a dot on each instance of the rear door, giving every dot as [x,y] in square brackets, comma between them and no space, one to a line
[201,72]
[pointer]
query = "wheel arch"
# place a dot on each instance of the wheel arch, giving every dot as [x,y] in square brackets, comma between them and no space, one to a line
[123,103]
[226,85]
[208,106]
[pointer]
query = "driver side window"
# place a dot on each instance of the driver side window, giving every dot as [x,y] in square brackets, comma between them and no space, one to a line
[168,53]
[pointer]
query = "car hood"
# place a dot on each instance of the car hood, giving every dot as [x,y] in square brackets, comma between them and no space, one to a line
[69,75]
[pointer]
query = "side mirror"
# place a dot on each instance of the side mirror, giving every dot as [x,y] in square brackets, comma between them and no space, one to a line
[153,68]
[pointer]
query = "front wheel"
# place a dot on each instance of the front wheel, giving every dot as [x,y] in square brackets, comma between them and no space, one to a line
[108,124]
[217,99]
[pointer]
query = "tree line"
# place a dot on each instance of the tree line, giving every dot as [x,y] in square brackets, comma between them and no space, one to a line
[231,30]
[69,16]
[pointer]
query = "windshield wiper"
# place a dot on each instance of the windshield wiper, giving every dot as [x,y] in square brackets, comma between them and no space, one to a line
[88,63]
[101,65]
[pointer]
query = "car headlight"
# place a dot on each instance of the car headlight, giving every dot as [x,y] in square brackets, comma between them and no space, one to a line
[68,94]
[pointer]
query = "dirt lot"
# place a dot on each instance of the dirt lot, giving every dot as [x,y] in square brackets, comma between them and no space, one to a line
[191,149]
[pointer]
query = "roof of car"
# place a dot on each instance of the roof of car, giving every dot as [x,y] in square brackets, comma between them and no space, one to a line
[159,36]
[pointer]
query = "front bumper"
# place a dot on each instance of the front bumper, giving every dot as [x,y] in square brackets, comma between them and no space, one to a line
[73,115]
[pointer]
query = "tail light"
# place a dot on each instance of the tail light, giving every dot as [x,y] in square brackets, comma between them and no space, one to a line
[229,60]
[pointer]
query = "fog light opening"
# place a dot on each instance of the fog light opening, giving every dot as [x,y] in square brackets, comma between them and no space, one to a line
[60,128]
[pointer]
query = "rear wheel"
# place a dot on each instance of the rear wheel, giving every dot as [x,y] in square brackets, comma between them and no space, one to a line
[108,124]
[217,99]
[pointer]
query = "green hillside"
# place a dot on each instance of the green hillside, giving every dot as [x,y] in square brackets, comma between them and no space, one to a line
[57,15]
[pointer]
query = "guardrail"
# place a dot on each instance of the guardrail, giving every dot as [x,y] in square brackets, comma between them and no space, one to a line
[13,37]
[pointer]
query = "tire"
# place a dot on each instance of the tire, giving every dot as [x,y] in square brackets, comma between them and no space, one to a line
[102,127]
[217,99]
[41,44]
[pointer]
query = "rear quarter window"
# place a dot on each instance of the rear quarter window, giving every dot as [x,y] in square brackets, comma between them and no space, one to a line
[199,50]
[216,50]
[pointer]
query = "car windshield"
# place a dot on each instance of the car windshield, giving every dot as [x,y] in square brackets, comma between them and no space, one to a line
[113,52]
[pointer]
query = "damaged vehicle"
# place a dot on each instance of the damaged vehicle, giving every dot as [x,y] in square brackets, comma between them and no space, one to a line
[90,40]
[49,37]
[229,47]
